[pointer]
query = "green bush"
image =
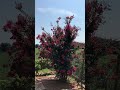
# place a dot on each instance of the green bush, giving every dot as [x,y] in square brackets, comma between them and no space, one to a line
[45,72]
[17,84]
[42,63]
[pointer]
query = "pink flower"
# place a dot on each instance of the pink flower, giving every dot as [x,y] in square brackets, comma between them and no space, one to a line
[41,39]
[43,35]
[52,43]
[72,17]
[69,72]
[62,71]
[49,49]
[59,18]
[67,17]
[74,69]
[38,37]
[57,42]
[68,27]
[62,62]
[8,25]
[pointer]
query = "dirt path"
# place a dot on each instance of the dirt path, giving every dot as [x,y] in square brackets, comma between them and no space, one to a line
[51,83]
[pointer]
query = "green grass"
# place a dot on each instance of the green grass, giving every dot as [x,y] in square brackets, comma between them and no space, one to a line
[45,71]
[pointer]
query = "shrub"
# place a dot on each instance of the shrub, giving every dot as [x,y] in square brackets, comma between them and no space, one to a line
[17,84]
[22,50]
[59,47]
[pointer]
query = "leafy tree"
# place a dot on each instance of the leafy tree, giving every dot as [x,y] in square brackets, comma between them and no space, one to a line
[22,50]
[96,48]
[58,47]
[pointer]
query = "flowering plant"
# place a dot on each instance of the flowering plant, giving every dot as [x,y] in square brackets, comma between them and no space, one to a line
[97,67]
[22,49]
[59,47]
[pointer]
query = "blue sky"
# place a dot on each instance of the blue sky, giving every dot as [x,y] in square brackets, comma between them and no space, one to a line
[47,11]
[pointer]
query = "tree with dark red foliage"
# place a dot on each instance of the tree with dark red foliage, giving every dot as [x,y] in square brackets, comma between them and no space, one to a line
[59,48]
[22,49]
[94,11]
[95,48]
[94,17]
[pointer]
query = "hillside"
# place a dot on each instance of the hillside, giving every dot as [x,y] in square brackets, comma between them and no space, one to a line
[81,45]
[76,44]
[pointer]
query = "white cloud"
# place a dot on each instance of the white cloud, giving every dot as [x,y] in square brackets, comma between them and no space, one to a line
[56,11]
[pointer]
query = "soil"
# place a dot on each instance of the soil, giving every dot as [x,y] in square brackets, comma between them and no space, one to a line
[52,83]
